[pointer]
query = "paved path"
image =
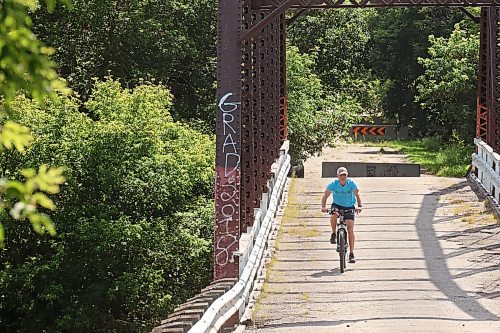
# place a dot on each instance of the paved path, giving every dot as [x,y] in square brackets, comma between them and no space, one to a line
[428,259]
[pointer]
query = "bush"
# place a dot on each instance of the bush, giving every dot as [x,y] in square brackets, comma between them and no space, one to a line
[134,218]
[454,159]
[433,143]
[447,88]
[315,118]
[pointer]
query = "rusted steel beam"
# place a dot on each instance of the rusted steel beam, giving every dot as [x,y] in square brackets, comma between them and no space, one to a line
[493,39]
[482,81]
[298,14]
[323,4]
[266,125]
[249,100]
[470,15]
[276,48]
[228,139]
[282,80]
[279,10]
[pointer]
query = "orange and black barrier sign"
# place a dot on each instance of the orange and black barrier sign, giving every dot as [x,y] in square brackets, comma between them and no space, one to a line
[369,130]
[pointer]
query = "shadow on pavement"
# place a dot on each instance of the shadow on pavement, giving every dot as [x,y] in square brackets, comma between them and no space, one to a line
[435,259]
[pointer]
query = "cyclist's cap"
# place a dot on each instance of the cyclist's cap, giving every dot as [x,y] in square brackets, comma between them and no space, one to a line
[342,171]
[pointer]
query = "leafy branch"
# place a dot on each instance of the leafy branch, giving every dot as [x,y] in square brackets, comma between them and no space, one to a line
[25,66]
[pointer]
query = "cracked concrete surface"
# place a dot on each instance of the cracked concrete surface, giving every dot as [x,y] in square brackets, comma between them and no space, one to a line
[428,258]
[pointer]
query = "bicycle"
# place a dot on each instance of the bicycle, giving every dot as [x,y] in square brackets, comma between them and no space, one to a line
[342,240]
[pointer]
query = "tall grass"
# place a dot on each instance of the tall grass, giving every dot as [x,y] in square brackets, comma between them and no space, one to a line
[435,156]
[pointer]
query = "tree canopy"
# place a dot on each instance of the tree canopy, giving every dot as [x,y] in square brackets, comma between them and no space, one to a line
[134,219]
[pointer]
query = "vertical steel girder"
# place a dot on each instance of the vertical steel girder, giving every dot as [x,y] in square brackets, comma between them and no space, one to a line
[282,74]
[488,92]
[482,82]
[251,120]
[228,140]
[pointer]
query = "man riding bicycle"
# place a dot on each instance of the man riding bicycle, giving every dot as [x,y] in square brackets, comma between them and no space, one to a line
[345,195]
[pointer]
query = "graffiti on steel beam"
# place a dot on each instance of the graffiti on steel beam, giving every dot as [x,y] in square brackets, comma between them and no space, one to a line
[232,158]
[229,192]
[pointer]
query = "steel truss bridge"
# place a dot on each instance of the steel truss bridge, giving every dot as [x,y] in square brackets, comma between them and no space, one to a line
[251,101]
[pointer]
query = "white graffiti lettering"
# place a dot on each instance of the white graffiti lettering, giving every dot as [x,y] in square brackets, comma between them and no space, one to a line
[222,256]
[229,142]
[228,236]
[232,164]
[222,102]
[225,195]
[227,119]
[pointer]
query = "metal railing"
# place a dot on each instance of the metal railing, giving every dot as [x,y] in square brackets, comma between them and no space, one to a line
[252,246]
[487,164]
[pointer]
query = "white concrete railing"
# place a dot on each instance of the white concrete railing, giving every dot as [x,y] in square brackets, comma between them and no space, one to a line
[487,163]
[252,245]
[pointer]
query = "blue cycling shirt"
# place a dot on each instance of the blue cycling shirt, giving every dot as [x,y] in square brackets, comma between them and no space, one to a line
[343,195]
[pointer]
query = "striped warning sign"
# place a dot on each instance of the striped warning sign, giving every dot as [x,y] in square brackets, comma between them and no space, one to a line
[369,130]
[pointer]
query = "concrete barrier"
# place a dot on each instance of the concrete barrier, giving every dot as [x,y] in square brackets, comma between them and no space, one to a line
[358,169]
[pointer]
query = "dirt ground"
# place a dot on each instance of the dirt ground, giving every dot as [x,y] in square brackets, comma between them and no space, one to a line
[428,254]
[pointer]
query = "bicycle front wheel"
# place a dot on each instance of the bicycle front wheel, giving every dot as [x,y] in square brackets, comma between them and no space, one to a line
[342,244]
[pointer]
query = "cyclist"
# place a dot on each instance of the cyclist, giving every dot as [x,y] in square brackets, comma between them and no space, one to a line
[345,195]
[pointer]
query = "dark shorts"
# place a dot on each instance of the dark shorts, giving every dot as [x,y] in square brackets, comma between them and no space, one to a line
[347,215]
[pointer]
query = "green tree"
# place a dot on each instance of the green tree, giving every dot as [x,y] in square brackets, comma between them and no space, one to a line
[398,37]
[447,88]
[315,118]
[135,219]
[170,42]
[25,66]
[340,65]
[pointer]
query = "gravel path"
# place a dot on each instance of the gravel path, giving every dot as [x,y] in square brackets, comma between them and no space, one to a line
[428,258]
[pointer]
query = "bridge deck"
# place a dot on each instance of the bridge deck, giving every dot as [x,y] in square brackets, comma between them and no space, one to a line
[419,268]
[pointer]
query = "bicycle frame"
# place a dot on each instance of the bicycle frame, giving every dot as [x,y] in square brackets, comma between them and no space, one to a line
[341,235]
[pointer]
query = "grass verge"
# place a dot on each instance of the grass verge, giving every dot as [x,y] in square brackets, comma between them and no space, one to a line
[433,155]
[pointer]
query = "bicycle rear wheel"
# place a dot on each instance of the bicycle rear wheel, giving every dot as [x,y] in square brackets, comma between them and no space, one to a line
[342,245]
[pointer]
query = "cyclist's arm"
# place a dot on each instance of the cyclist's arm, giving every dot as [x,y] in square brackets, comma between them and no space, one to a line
[323,200]
[358,198]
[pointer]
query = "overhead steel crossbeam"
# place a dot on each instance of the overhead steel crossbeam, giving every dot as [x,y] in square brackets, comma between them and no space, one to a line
[322,4]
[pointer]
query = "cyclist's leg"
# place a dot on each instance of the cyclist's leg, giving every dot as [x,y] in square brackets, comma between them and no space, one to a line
[350,230]
[333,222]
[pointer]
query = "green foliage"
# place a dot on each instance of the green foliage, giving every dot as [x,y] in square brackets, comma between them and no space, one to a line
[29,196]
[340,65]
[170,42]
[435,155]
[25,66]
[134,218]
[324,35]
[24,61]
[16,136]
[315,119]
[447,88]
[433,143]
[398,37]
